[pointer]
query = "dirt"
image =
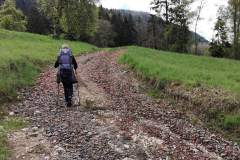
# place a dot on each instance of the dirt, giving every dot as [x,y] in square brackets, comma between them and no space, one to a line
[116,120]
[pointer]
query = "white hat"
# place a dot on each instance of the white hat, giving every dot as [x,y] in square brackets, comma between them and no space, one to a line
[65,46]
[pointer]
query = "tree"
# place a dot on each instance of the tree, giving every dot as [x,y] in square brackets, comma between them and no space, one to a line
[179,19]
[11,18]
[74,17]
[53,9]
[176,32]
[154,33]
[129,30]
[219,45]
[37,22]
[105,35]
[162,7]
[199,10]
[234,10]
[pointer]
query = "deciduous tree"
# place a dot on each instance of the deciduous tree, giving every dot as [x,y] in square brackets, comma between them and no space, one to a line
[11,18]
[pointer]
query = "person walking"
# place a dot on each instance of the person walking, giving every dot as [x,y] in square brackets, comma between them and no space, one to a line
[65,63]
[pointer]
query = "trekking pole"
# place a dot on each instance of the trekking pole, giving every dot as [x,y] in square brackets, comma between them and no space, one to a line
[58,88]
[79,103]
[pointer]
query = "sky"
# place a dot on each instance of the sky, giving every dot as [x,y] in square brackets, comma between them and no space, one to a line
[208,15]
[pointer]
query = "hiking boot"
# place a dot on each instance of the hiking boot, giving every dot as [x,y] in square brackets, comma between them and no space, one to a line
[69,104]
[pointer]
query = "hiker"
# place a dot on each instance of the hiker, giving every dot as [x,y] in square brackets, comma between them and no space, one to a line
[66,63]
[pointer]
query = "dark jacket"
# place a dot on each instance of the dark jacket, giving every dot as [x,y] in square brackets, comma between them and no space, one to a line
[74,62]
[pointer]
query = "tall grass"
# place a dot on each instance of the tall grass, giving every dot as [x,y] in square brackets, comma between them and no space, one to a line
[23,55]
[187,69]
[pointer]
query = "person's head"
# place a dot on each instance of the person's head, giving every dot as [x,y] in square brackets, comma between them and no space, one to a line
[65,48]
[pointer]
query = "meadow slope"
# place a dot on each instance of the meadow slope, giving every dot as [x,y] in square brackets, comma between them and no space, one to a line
[189,70]
[23,55]
[208,89]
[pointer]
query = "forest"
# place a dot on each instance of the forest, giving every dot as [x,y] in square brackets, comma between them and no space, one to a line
[88,21]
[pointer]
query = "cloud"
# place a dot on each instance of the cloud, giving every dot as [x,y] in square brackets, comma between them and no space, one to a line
[138,5]
[125,6]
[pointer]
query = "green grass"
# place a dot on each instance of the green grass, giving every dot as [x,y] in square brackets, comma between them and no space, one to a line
[186,69]
[231,121]
[13,124]
[8,125]
[23,55]
[191,71]
[4,151]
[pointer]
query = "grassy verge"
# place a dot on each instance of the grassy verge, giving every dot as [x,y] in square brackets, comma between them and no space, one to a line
[212,86]
[6,126]
[23,55]
[187,69]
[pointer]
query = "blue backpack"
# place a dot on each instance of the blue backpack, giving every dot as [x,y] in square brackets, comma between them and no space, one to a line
[65,60]
[66,72]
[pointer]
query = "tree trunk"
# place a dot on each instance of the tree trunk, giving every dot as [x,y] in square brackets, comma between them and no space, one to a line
[195,35]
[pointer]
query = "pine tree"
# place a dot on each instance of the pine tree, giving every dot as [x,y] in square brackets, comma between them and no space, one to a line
[155,32]
[105,35]
[37,22]
[11,18]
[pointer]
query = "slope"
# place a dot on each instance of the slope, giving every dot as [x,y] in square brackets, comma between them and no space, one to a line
[23,56]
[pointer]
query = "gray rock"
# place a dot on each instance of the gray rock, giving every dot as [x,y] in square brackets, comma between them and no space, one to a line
[11,113]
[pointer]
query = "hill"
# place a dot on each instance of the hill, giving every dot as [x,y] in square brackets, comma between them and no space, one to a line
[23,55]
[142,19]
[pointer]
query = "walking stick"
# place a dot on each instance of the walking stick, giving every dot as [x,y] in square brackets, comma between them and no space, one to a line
[58,87]
[79,102]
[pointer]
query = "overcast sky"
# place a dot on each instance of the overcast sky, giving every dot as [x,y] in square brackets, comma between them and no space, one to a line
[206,25]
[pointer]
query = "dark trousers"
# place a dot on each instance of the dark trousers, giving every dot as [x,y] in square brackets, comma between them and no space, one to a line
[66,78]
[68,91]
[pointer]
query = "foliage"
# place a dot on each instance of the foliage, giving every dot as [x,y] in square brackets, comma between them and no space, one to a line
[154,31]
[37,22]
[234,14]
[105,34]
[177,15]
[74,17]
[124,26]
[11,18]
[23,55]
[187,69]
[220,43]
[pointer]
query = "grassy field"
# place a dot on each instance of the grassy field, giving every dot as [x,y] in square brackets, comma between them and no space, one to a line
[23,55]
[186,69]
[193,72]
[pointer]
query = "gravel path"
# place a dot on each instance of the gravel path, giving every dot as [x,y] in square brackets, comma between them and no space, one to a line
[116,120]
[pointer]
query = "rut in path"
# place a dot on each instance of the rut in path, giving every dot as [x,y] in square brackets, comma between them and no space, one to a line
[119,121]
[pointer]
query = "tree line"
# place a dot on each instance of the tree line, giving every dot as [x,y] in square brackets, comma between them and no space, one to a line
[226,42]
[86,21]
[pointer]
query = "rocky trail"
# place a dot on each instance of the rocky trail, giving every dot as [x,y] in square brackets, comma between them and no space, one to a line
[115,121]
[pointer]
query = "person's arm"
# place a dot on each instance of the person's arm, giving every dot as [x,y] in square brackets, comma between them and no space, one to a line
[75,65]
